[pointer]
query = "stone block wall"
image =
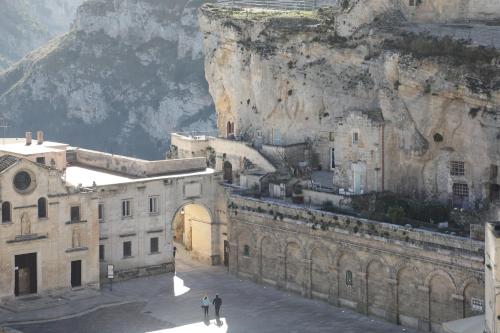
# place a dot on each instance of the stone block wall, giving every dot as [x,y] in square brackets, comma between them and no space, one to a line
[410,277]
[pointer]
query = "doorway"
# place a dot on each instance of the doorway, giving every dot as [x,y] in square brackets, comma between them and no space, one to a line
[226,253]
[76,273]
[25,274]
[228,172]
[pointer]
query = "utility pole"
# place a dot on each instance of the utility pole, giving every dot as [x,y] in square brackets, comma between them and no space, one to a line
[4,125]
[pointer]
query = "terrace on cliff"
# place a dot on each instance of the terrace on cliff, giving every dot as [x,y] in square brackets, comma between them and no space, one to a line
[316,77]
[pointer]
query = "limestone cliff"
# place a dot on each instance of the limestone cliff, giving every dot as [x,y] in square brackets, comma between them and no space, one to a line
[302,74]
[127,74]
[27,24]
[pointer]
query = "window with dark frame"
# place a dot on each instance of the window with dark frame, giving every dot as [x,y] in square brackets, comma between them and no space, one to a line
[6,212]
[42,208]
[127,249]
[246,250]
[461,190]
[332,158]
[101,252]
[40,160]
[75,213]
[348,278]
[153,204]
[457,168]
[100,212]
[153,242]
[355,137]
[126,208]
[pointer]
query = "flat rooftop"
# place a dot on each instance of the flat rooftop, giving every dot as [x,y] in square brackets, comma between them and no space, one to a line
[86,176]
[18,146]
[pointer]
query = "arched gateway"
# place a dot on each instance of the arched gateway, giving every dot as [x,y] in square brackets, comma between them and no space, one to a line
[192,230]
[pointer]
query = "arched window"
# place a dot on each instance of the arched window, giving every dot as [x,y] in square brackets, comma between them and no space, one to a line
[348,278]
[6,216]
[246,250]
[42,208]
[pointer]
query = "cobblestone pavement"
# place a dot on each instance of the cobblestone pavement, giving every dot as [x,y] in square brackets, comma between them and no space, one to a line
[170,303]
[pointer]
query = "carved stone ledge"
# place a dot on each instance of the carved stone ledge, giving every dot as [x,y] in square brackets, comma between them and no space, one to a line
[77,249]
[26,238]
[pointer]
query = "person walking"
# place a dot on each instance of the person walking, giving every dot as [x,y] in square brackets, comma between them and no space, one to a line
[175,250]
[217,302]
[205,303]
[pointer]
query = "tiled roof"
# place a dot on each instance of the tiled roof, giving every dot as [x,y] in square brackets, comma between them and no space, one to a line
[6,161]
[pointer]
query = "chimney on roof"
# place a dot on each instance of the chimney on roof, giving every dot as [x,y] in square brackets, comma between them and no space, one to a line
[28,138]
[39,137]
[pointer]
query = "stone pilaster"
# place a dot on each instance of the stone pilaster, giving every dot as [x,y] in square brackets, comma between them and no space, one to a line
[458,305]
[281,276]
[392,311]
[233,258]
[362,306]
[424,323]
[307,287]
[333,296]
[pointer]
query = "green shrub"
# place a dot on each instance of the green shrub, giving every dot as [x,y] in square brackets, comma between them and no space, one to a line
[395,213]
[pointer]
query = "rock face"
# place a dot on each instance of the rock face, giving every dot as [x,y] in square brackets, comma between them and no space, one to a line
[127,73]
[321,76]
[27,24]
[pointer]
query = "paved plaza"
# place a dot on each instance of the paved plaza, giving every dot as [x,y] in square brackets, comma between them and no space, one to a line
[170,303]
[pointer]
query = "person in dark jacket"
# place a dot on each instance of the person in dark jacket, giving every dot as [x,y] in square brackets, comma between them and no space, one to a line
[217,302]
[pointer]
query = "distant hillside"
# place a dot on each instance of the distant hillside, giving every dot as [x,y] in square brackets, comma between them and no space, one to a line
[127,74]
[27,24]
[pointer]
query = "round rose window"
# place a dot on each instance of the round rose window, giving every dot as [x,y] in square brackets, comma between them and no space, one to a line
[22,181]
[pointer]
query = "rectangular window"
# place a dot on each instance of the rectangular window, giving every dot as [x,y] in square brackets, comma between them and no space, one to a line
[127,249]
[75,213]
[153,205]
[246,250]
[332,158]
[40,160]
[461,190]
[355,137]
[154,245]
[457,168]
[101,252]
[100,212]
[331,136]
[126,208]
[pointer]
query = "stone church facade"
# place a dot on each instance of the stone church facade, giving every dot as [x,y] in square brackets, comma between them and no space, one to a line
[48,232]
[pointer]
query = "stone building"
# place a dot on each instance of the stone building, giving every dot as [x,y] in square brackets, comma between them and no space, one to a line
[300,84]
[492,277]
[411,277]
[138,203]
[69,212]
[49,232]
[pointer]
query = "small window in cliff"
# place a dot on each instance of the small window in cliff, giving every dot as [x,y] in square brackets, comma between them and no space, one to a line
[246,250]
[355,137]
[457,168]
[461,190]
[438,137]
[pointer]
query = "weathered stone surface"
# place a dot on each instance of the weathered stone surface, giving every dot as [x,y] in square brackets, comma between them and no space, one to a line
[408,276]
[27,24]
[303,76]
[126,70]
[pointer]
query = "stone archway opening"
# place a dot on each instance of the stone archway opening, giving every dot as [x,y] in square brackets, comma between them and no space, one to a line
[192,232]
